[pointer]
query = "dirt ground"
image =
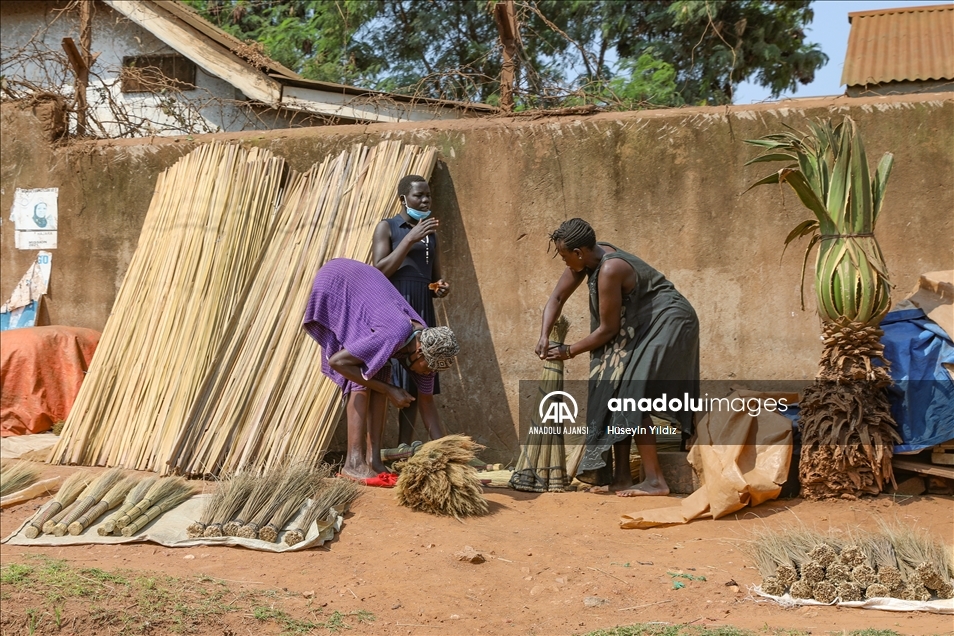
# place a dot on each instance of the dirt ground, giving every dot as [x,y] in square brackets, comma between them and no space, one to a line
[555,564]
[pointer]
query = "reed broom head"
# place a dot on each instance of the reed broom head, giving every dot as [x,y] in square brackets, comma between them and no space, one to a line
[822,554]
[848,591]
[838,573]
[877,591]
[16,476]
[231,528]
[773,586]
[824,591]
[813,572]
[213,530]
[260,495]
[945,591]
[890,577]
[300,482]
[438,480]
[852,556]
[915,592]
[167,502]
[863,575]
[801,589]
[164,489]
[237,489]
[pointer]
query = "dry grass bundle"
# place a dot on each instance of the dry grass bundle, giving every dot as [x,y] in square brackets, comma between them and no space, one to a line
[298,484]
[110,500]
[91,496]
[237,490]
[923,562]
[822,554]
[801,589]
[824,591]
[261,493]
[864,575]
[437,479]
[852,556]
[134,496]
[162,502]
[67,494]
[17,475]
[838,573]
[161,490]
[877,590]
[848,591]
[333,493]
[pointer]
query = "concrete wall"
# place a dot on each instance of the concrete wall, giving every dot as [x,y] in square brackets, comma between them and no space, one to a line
[666,185]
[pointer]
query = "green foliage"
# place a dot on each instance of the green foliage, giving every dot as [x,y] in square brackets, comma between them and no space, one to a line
[668,52]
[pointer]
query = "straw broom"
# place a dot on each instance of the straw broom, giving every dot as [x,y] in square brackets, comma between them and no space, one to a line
[438,480]
[135,494]
[67,494]
[293,484]
[16,476]
[334,493]
[237,490]
[161,490]
[302,484]
[110,500]
[258,497]
[197,528]
[164,501]
[90,497]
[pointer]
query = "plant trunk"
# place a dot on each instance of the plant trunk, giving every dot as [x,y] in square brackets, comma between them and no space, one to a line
[848,432]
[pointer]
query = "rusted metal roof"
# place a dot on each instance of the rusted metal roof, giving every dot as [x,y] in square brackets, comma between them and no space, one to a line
[902,44]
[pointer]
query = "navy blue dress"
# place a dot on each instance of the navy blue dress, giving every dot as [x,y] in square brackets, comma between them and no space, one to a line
[411,280]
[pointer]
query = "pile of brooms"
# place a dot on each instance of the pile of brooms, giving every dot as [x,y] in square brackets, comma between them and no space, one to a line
[287,498]
[84,498]
[897,562]
[16,475]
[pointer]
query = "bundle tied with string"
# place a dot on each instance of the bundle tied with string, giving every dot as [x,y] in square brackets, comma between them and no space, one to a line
[542,463]
[92,495]
[115,496]
[334,494]
[438,479]
[67,494]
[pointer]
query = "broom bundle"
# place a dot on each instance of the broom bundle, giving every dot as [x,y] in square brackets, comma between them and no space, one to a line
[333,493]
[438,479]
[304,482]
[261,493]
[110,500]
[66,495]
[134,496]
[235,494]
[94,492]
[161,490]
[17,475]
[197,528]
[229,236]
[293,484]
[175,492]
[898,562]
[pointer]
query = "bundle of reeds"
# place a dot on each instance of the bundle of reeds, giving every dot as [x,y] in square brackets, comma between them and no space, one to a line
[301,483]
[262,491]
[163,497]
[293,484]
[237,490]
[335,494]
[202,374]
[438,479]
[17,475]
[110,500]
[94,492]
[134,496]
[66,495]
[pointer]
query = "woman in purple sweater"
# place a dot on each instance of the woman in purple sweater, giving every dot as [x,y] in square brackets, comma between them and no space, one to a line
[362,321]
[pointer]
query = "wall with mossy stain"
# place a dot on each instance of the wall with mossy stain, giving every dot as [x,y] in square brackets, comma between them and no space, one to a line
[665,185]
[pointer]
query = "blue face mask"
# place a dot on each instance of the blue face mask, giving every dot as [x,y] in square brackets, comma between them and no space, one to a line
[417,215]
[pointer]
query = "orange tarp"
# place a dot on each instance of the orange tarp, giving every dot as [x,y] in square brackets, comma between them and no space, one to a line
[41,370]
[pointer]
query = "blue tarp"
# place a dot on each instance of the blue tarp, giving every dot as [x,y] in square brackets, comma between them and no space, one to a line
[922,397]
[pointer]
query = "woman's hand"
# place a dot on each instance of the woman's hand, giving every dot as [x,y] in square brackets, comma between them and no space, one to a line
[399,397]
[558,352]
[440,288]
[422,229]
[543,345]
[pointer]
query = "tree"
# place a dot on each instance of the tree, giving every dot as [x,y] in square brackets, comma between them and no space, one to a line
[610,52]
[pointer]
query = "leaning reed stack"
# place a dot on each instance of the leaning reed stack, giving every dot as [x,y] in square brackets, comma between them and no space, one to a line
[66,495]
[110,500]
[134,496]
[90,497]
[333,493]
[201,240]
[176,491]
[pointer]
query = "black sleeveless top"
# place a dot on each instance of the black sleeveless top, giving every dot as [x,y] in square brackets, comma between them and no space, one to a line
[418,264]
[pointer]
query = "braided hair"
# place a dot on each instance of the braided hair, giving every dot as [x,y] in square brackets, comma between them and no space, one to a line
[404,185]
[438,345]
[574,234]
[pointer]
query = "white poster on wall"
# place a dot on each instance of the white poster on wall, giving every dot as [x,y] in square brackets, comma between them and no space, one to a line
[34,215]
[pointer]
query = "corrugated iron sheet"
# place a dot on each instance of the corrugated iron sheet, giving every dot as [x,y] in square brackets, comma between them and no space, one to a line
[903,44]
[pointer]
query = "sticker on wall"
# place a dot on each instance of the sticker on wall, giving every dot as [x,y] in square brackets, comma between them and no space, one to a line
[24,305]
[34,215]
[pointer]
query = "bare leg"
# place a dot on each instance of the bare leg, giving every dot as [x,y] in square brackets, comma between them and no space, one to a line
[622,478]
[356,463]
[406,418]
[377,414]
[654,484]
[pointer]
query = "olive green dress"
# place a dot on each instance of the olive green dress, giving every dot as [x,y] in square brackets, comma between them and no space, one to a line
[656,352]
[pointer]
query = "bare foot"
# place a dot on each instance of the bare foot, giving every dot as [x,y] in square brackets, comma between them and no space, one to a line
[645,489]
[357,473]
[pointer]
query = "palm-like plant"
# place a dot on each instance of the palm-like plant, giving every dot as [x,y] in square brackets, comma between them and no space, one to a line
[847,429]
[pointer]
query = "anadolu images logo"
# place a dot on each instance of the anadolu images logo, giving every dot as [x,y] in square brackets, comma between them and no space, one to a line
[558,411]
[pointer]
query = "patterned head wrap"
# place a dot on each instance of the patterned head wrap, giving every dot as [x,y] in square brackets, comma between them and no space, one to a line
[439,346]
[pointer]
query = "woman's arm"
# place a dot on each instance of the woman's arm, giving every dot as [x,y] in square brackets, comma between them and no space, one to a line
[612,276]
[565,287]
[350,367]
